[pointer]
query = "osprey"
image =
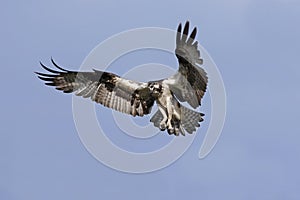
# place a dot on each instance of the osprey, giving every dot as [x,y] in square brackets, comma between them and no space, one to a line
[137,98]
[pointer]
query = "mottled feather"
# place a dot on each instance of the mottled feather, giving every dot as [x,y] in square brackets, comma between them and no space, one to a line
[190,83]
[136,98]
[105,88]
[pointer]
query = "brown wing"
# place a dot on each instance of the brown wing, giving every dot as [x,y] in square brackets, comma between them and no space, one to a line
[105,88]
[190,83]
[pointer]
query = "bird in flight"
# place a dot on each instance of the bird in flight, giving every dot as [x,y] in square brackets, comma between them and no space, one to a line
[188,84]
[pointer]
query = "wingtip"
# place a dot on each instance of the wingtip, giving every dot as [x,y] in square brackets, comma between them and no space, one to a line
[194,33]
[187,24]
[45,78]
[53,62]
[179,27]
[48,69]
[186,29]
[41,64]
[56,65]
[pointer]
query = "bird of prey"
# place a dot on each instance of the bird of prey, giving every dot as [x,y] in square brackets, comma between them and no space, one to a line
[188,84]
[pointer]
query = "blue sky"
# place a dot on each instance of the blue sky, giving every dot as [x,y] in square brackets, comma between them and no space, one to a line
[255,45]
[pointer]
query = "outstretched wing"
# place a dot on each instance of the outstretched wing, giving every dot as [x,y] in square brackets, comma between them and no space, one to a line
[190,82]
[105,88]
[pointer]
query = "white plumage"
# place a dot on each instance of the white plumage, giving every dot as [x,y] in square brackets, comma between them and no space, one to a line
[137,98]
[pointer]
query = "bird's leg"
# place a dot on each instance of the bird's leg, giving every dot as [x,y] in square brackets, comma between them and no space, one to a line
[169,124]
[162,124]
[169,115]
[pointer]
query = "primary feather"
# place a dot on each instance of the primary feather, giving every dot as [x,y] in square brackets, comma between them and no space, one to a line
[137,98]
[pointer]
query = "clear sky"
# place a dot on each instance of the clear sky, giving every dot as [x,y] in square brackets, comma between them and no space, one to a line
[254,43]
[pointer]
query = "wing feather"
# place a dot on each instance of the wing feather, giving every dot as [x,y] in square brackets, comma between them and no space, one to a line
[106,88]
[190,82]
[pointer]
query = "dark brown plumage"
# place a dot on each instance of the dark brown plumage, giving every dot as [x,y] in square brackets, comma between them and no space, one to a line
[136,98]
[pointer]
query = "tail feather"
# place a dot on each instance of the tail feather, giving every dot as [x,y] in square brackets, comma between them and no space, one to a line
[177,129]
[190,119]
[157,118]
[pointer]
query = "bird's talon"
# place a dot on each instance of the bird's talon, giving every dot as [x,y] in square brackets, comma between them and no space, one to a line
[162,126]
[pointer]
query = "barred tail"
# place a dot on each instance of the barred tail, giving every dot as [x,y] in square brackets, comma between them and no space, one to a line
[190,119]
[176,129]
[157,118]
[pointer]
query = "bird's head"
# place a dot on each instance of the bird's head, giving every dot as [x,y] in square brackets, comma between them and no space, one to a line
[155,89]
